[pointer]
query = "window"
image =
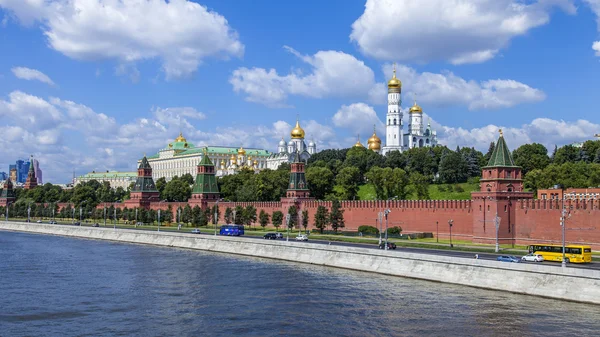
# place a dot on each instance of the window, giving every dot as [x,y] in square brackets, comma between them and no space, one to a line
[505,208]
[508,174]
[394,136]
[394,121]
[488,208]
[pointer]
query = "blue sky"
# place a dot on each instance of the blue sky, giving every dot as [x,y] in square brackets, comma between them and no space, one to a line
[94,84]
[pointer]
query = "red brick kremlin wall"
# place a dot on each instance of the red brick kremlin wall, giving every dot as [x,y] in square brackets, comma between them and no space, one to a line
[530,220]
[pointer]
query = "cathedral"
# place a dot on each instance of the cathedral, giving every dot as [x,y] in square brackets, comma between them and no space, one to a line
[396,139]
[286,151]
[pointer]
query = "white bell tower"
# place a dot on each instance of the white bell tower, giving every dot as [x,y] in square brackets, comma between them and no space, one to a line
[394,138]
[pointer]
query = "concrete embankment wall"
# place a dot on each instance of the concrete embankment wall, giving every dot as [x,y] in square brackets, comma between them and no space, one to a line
[574,284]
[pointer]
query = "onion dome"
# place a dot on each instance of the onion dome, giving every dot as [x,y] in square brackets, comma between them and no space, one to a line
[233,159]
[255,162]
[358,143]
[180,139]
[416,109]
[312,143]
[297,131]
[291,143]
[374,143]
[394,82]
[282,142]
[241,151]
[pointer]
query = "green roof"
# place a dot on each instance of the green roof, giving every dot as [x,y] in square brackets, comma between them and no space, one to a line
[205,161]
[95,175]
[501,156]
[144,163]
[216,150]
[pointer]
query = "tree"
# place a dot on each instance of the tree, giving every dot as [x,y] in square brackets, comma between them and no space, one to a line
[336,216]
[320,181]
[453,168]
[347,181]
[597,157]
[228,215]
[249,215]
[420,184]
[304,219]
[488,155]
[293,213]
[277,219]
[533,180]
[177,190]
[197,216]
[395,159]
[566,154]
[187,178]
[160,185]
[263,218]
[238,215]
[531,157]
[186,214]
[389,182]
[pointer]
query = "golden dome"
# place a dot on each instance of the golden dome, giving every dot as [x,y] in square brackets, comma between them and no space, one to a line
[358,143]
[232,158]
[180,138]
[394,82]
[241,151]
[374,143]
[297,131]
[416,108]
[255,162]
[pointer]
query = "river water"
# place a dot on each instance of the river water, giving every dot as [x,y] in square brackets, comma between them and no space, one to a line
[57,286]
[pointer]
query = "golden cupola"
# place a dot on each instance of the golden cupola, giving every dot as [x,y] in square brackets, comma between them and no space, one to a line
[181,139]
[374,143]
[241,151]
[358,143]
[297,131]
[416,109]
[394,83]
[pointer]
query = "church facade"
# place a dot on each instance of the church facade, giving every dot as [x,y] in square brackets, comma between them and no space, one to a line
[286,152]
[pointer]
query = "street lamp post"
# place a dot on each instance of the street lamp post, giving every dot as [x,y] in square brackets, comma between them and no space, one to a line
[380,218]
[115,218]
[73,215]
[136,221]
[450,222]
[29,212]
[497,224]
[437,234]
[217,215]
[7,206]
[104,214]
[386,212]
[287,222]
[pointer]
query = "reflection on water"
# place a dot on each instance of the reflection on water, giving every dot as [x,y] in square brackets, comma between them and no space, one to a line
[71,287]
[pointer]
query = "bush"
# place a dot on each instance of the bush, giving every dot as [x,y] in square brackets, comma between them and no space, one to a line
[449,188]
[441,188]
[368,230]
[396,230]
[473,180]
[458,188]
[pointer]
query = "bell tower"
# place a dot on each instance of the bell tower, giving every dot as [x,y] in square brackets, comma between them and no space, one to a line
[393,138]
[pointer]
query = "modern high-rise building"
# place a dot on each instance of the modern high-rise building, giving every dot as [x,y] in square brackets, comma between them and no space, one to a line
[22,167]
[38,171]
[3,176]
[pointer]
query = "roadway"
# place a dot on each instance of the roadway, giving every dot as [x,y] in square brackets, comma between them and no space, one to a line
[430,251]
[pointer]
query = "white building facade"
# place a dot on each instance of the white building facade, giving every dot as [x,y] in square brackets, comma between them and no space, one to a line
[417,135]
[286,151]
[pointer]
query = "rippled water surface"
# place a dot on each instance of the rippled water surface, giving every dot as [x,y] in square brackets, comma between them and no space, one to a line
[55,286]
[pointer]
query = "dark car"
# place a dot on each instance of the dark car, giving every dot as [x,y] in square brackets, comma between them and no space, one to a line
[96,225]
[278,236]
[390,245]
[270,236]
[77,223]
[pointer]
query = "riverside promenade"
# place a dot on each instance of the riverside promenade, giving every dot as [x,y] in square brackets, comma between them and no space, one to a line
[573,284]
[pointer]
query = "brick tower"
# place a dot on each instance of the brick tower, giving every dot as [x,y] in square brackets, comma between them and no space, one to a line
[297,188]
[205,186]
[144,191]
[501,184]
[31,181]
[8,194]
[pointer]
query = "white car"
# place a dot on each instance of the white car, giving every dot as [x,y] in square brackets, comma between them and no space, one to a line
[302,237]
[533,257]
[39,221]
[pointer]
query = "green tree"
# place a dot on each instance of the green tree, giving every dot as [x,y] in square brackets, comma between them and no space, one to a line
[277,219]
[228,215]
[336,216]
[305,219]
[488,155]
[177,190]
[320,181]
[395,159]
[160,184]
[250,215]
[534,180]
[420,184]
[187,178]
[389,182]
[531,157]
[453,168]
[197,216]
[347,181]
[263,218]
[186,214]
[239,215]
[566,154]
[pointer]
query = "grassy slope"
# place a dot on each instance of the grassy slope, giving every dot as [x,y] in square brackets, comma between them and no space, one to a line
[367,192]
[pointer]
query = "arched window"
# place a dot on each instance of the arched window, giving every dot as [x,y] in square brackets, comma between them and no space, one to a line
[389,122]
[394,121]
[427,141]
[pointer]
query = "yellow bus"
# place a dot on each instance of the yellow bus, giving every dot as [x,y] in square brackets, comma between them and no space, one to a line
[573,253]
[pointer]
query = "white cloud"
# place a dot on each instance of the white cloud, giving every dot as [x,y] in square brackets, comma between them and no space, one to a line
[545,131]
[447,89]
[332,74]
[31,74]
[596,47]
[180,33]
[358,117]
[459,31]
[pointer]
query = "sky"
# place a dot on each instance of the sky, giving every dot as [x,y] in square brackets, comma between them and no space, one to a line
[96,84]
